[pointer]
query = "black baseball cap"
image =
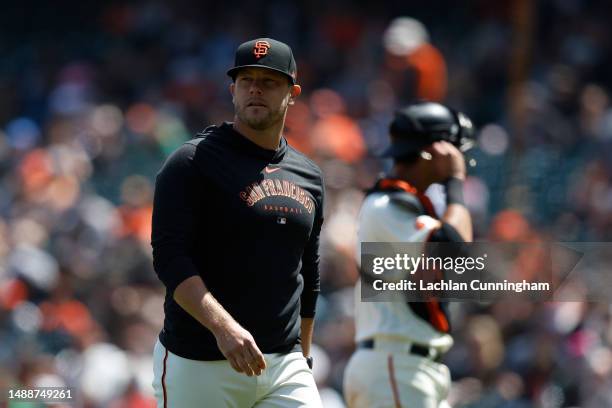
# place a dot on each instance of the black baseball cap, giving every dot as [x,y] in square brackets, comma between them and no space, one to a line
[265,53]
[420,124]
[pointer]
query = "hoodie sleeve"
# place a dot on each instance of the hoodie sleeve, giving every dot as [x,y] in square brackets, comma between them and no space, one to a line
[310,262]
[174,213]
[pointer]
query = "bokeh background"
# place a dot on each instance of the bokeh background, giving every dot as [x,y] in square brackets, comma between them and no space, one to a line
[95,95]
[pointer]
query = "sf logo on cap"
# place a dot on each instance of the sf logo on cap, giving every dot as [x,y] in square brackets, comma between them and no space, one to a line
[261,48]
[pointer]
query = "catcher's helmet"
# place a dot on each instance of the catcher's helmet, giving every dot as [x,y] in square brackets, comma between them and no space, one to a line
[421,124]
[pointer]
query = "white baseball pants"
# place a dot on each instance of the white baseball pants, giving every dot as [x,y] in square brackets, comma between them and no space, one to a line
[381,379]
[183,383]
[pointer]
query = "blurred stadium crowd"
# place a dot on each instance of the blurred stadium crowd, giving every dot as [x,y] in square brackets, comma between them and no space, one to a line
[93,97]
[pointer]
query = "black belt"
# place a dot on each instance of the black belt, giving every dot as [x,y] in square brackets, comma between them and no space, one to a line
[414,349]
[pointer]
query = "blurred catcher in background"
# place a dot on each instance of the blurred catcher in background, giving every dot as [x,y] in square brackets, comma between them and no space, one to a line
[400,344]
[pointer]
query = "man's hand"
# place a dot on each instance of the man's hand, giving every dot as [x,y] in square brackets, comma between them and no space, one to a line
[236,344]
[447,160]
[240,349]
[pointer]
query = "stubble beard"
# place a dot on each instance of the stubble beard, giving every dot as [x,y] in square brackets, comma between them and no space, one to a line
[260,122]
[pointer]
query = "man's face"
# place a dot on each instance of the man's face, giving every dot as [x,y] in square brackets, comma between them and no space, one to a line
[261,97]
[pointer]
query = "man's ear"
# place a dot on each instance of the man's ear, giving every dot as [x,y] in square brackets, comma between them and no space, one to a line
[232,87]
[296,90]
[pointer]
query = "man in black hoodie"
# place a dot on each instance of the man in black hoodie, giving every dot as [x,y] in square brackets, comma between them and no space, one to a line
[236,222]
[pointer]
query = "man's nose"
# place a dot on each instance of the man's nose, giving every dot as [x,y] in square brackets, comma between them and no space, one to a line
[255,87]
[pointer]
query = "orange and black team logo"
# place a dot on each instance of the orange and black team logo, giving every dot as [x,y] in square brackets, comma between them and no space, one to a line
[275,187]
[261,48]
